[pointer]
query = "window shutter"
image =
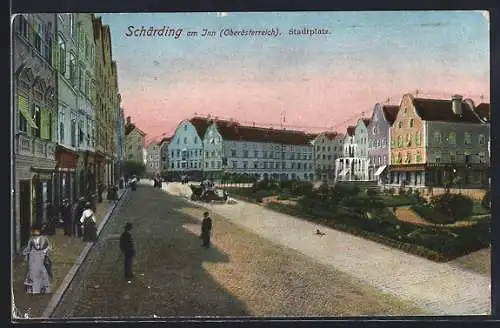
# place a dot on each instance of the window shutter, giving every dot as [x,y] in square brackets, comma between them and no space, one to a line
[44,127]
[22,105]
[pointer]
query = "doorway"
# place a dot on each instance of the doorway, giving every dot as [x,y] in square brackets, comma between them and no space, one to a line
[25,211]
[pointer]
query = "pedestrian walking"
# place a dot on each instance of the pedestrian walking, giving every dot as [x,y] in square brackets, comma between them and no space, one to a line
[78,209]
[89,226]
[66,215]
[39,276]
[128,249]
[206,229]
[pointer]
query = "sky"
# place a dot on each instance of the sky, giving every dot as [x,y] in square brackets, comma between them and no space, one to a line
[321,82]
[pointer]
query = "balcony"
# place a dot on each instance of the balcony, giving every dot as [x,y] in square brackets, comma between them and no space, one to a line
[32,146]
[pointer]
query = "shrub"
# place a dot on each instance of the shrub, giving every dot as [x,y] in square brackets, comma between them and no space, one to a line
[301,188]
[390,191]
[429,214]
[346,189]
[402,191]
[485,202]
[371,192]
[454,206]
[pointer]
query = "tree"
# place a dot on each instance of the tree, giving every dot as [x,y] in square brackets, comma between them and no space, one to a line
[133,168]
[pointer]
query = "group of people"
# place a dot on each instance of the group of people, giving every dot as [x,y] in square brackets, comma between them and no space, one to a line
[79,220]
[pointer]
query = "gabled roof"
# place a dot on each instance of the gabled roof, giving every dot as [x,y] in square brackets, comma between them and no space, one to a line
[131,127]
[483,111]
[390,113]
[350,130]
[366,121]
[233,131]
[201,125]
[441,111]
[331,135]
[165,139]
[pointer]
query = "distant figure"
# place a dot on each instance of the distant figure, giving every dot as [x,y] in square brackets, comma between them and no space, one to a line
[78,209]
[128,249]
[206,229]
[320,233]
[89,225]
[51,219]
[66,217]
[39,274]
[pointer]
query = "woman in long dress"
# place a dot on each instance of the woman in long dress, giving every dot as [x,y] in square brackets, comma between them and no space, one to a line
[88,221]
[39,274]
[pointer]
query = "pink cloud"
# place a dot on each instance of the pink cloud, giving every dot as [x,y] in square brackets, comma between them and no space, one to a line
[313,102]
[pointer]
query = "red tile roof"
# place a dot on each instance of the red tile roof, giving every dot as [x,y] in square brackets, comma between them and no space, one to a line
[390,113]
[350,130]
[483,111]
[331,135]
[441,110]
[233,131]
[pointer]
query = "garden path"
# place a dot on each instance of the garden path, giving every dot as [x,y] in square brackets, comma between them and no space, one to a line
[441,288]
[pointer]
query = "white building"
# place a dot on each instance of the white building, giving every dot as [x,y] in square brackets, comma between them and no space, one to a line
[164,155]
[328,146]
[186,148]
[153,162]
[346,166]
[361,161]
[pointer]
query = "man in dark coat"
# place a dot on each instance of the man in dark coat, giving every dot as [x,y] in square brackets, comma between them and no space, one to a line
[67,218]
[128,249]
[206,229]
[78,209]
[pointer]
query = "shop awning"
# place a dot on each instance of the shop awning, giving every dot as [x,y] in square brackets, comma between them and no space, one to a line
[380,170]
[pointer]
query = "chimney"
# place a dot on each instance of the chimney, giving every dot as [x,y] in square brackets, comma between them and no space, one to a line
[129,120]
[456,104]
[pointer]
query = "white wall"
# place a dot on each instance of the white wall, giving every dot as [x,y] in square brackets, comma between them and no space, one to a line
[185,149]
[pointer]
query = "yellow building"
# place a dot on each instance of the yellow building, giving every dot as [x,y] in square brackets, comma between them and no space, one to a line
[134,143]
[107,104]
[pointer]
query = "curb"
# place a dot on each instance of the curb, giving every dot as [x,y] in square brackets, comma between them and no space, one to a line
[56,299]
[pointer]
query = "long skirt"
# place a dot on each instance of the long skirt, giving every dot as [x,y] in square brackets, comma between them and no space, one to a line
[38,278]
[90,232]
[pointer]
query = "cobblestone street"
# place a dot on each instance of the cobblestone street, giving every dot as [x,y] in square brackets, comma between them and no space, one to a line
[242,274]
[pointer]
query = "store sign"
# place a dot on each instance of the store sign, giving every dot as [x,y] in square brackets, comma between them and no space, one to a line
[43,176]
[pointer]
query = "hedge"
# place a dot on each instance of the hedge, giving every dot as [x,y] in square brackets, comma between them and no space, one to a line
[398,200]
[429,214]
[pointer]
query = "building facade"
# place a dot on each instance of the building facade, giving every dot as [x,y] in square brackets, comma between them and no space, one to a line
[439,143]
[186,148]
[328,146]
[108,102]
[361,161]
[120,143]
[153,163]
[34,121]
[68,114]
[134,143]
[83,64]
[213,152]
[383,117]
[345,166]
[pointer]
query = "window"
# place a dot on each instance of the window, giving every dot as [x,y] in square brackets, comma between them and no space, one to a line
[452,138]
[408,140]
[233,152]
[185,139]
[185,128]
[437,157]
[72,29]
[62,55]
[36,115]
[72,69]
[400,124]
[411,123]
[467,138]
[437,138]
[245,165]
[235,164]
[80,78]
[418,138]
[418,157]
[37,36]
[482,158]
[73,133]
[453,157]
[195,140]
[245,153]
[482,139]
[400,141]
